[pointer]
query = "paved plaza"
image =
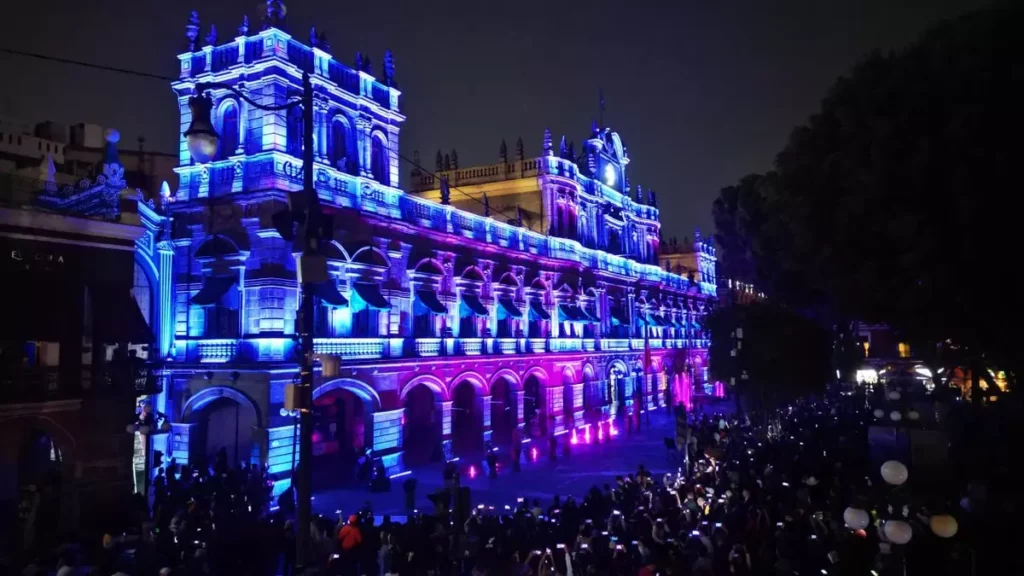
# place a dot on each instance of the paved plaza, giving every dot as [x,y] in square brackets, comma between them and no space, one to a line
[589,464]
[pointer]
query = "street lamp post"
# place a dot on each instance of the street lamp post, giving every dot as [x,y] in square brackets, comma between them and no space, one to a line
[202,142]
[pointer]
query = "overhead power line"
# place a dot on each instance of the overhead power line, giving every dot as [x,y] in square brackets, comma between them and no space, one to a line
[152,76]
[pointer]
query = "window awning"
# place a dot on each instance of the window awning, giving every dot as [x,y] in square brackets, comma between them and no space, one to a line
[619,317]
[537,311]
[117,318]
[370,293]
[658,320]
[678,324]
[473,303]
[429,299]
[509,307]
[214,288]
[591,316]
[572,313]
[329,295]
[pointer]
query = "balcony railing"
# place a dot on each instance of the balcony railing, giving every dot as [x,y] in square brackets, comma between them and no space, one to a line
[505,346]
[352,348]
[282,349]
[566,344]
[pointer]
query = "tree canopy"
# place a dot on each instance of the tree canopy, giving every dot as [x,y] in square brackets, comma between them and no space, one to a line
[892,203]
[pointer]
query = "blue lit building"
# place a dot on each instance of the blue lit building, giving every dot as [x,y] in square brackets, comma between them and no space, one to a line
[446,325]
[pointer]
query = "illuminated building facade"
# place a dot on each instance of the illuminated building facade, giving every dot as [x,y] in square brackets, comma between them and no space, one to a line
[444,327]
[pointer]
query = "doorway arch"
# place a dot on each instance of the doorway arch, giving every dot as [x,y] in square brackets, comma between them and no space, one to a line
[504,410]
[342,428]
[225,420]
[568,397]
[534,415]
[422,423]
[467,420]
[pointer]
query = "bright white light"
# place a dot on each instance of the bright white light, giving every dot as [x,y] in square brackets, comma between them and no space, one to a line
[923,371]
[609,175]
[867,376]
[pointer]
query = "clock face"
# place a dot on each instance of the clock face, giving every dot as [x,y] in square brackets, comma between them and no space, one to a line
[609,175]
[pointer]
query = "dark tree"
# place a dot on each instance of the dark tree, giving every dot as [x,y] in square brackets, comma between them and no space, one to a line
[889,205]
[455,159]
[503,152]
[439,161]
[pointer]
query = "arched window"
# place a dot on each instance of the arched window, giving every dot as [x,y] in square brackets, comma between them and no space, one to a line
[228,130]
[295,131]
[339,145]
[143,293]
[379,160]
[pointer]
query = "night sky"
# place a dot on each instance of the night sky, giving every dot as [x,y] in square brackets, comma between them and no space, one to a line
[701,92]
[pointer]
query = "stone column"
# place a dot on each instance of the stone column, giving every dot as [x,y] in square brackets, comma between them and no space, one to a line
[519,408]
[488,428]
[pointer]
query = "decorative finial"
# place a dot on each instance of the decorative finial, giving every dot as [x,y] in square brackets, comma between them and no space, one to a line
[563,149]
[211,37]
[165,189]
[192,30]
[503,152]
[595,130]
[446,193]
[367,65]
[447,162]
[314,40]
[652,199]
[571,152]
[696,236]
[547,142]
[439,161]
[325,45]
[389,68]
[359,61]
[487,206]
[455,159]
[639,194]
[243,30]
[519,149]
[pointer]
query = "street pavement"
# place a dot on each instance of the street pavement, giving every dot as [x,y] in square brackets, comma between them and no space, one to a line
[586,466]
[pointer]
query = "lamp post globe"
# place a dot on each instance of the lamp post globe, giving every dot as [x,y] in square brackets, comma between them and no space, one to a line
[201,137]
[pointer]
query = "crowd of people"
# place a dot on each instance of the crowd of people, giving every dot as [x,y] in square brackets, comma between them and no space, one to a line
[755,494]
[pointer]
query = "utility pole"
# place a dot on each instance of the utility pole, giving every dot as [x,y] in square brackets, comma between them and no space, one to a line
[309,275]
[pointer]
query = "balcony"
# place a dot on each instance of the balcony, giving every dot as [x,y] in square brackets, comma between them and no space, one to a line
[615,344]
[505,346]
[471,346]
[216,351]
[351,348]
[566,344]
[281,349]
[426,347]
